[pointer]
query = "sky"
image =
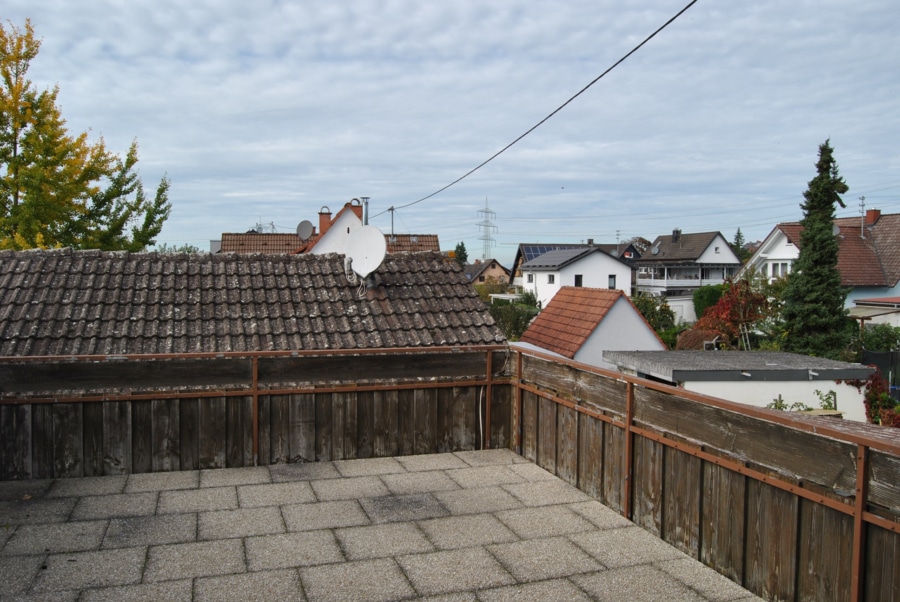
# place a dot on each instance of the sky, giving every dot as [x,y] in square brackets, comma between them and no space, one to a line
[264,112]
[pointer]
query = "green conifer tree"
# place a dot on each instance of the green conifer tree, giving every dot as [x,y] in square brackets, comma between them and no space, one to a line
[813,312]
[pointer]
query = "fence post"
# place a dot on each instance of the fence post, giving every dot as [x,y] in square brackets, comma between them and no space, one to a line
[857,575]
[255,394]
[486,444]
[629,452]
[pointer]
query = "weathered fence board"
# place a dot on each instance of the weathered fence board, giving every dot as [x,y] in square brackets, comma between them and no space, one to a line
[93,439]
[771,542]
[42,439]
[682,482]
[546,456]
[882,576]
[648,485]
[365,425]
[530,431]
[722,521]
[826,553]
[189,424]
[426,413]
[567,445]
[386,429]
[884,475]
[211,434]
[590,455]
[142,436]
[300,410]
[501,416]
[444,430]
[16,442]
[406,422]
[613,466]
[324,427]
[166,435]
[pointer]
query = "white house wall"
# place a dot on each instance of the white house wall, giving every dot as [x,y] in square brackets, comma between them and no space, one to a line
[595,270]
[762,393]
[719,251]
[683,308]
[775,250]
[622,329]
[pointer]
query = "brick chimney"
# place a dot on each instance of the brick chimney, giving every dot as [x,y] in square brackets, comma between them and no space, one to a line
[872,216]
[324,219]
[676,234]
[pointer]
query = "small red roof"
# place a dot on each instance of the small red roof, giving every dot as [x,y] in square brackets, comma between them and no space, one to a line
[570,318]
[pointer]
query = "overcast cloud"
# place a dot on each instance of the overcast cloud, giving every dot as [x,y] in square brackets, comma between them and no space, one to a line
[266,111]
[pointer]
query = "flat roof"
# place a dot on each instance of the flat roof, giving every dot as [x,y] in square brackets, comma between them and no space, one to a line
[679,366]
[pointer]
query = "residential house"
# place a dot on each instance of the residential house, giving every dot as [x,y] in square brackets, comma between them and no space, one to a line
[528,251]
[65,302]
[582,323]
[586,266]
[868,254]
[489,270]
[678,264]
[755,378]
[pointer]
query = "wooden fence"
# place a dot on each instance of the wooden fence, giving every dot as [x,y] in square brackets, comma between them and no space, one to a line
[792,508]
[92,416]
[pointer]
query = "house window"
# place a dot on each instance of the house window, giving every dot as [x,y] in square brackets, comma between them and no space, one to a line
[784,269]
[481,279]
[551,278]
[717,249]
[578,280]
[529,278]
[612,281]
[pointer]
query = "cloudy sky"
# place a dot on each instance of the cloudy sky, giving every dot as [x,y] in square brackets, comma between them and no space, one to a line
[265,111]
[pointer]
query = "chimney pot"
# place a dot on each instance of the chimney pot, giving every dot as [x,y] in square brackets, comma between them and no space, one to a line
[872,216]
[324,219]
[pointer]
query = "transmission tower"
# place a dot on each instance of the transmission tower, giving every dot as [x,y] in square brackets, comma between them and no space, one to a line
[488,229]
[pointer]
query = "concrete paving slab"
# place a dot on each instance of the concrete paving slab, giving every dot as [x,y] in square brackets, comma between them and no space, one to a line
[324,515]
[487,457]
[36,510]
[532,472]
[546,493]
[171,591]
[348,488]
[150,530]
[18,572]
[162,481]
[641,582]
[484,476]
[466,531]
[427,462]
[625,547]
[303,471]
[289,550]
[115,506]
[14,491]
[397,508]
[222,477]
[550,521]
[82,570]
[250,587]
[275,494]
[700,578]
[449,571]
[55,538]
[477,501]
[380,541]
[554,590]
[368,467]
[87,486]
[197,559]
[377,580]
[197,500]
[419,482]
[244,522]
[540,559]
[600,515]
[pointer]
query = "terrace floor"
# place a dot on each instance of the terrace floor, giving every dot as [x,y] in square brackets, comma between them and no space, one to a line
[484,525]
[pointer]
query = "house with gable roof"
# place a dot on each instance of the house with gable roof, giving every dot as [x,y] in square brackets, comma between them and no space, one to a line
[868,254]
[489,270]
[585,266]
[581,323]
[64,302]
[531,250]
[678,264]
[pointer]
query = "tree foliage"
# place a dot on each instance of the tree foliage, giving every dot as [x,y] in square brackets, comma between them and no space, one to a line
[813,311]
[460,255]
[880,337]
[738,246]
[659,316]
[739,307]
[513,318]
[57,188]
[706,296]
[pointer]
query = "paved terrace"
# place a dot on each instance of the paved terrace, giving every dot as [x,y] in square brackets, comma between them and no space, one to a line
[484,525]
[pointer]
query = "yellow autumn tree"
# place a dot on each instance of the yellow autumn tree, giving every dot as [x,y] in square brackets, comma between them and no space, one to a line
[60,189]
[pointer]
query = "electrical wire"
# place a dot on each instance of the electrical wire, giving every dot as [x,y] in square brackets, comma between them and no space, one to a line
[545,119]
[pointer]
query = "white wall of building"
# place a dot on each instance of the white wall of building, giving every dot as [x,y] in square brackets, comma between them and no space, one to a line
[595,269]
[335,238]
[719,251]
[622,329]
[762,393]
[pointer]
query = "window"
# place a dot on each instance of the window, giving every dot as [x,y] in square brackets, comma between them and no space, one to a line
[481,279]
[612,281]
[578,280]
[551,278]
[784,269]
[717,249]
[529,278]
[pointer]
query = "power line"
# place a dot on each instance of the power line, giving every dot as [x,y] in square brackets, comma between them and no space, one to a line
[542,121]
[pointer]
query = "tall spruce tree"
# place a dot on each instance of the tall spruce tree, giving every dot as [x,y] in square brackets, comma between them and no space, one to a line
[813,312]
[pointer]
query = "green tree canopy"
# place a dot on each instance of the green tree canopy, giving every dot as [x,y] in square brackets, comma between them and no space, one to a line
[59,189]
[813,311]
[460,254]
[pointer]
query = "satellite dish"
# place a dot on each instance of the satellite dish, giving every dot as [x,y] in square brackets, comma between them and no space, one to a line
[835,229]
[304,229]
[366,248]
[654,250]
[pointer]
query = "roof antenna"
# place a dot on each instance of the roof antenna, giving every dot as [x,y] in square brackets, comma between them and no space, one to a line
[862,217]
